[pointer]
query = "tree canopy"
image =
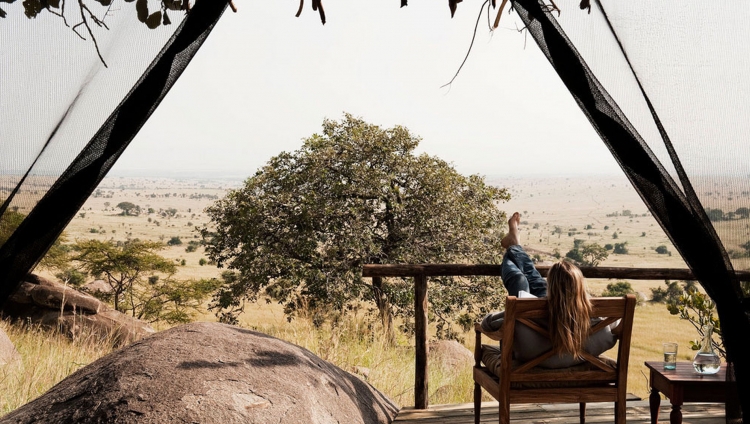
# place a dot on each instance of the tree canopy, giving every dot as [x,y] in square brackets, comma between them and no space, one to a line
[142,281]
[129,208]
[587,254]
[301,228]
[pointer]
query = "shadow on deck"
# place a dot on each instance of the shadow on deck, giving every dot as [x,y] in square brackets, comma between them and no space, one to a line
[638,412]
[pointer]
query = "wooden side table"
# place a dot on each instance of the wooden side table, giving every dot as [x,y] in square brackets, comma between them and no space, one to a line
[683,385]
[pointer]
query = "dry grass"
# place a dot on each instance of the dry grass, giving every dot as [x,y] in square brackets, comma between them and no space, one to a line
[355,344]
[46,358]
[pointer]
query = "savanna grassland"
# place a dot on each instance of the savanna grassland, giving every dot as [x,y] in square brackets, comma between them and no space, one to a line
[555,212]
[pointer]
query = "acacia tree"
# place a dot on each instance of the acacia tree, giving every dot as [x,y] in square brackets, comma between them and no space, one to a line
[129,208]
[301,228]
[142,281]
[587,254]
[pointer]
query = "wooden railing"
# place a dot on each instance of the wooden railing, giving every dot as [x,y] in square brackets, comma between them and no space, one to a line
[421,272]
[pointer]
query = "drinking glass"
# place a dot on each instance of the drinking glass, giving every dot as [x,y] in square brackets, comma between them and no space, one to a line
[670,356]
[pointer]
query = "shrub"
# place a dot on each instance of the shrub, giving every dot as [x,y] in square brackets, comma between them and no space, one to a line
[617,289]
[662,250]
[614,235]
[620,248]
[670,294]
[174,241]
[72,277]
[202,261]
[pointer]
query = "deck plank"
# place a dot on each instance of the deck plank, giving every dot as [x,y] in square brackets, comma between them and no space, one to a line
[599,413]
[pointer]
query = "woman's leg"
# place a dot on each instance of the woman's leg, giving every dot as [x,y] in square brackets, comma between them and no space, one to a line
[518,271]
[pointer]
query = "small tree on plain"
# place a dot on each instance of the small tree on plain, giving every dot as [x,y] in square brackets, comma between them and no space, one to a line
[129,209]
[142,281]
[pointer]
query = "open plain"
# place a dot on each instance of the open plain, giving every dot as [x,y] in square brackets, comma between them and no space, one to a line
[555,211]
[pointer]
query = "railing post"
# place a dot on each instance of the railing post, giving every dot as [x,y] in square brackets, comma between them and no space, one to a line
[420,341]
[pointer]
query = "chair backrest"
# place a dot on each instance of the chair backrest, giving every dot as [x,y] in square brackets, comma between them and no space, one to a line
[531,312]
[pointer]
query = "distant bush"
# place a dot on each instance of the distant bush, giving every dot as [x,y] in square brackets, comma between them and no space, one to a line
[72,277]
[192,246]
[202,261]
[174,241]
[670,294]
[662,250]
[608,246]
[622,288]
[614,235]
[617,289]
[620,248]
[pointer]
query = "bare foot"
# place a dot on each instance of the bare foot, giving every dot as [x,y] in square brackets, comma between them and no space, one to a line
[513,238]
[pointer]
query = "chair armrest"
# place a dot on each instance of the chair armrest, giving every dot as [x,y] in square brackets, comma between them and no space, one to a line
[494,335]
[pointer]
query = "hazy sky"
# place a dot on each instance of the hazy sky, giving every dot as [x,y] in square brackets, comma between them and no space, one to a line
[264,80]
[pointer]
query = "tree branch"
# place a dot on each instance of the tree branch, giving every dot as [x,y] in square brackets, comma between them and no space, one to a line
[86,24]
[473,37]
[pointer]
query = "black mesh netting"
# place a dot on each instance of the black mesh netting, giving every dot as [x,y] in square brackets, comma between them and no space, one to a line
[665,86]
[65,118]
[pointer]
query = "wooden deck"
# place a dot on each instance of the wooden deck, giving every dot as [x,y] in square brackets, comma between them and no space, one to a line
[638,412]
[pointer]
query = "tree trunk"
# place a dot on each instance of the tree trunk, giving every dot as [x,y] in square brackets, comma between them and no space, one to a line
[384,309]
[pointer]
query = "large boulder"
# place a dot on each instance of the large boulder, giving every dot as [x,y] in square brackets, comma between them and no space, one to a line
[209,373]
[52,304]
[451,355]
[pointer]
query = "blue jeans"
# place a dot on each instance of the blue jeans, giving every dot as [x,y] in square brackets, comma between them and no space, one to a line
[518,273]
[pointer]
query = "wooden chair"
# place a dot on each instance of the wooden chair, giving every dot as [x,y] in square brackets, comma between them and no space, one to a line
[597,380]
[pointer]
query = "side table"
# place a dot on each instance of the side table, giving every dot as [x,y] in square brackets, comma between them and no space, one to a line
[683,385]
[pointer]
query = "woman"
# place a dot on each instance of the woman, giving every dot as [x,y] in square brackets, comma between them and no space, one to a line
[568,303]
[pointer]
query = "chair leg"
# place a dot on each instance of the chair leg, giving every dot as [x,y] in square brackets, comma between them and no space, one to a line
[504,411]
[477,402]
[582,407]
[620,412]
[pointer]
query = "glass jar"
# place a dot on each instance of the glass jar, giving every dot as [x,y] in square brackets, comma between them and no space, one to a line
[706,361]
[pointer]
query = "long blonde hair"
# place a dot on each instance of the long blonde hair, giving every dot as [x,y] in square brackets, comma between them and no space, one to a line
[569,308]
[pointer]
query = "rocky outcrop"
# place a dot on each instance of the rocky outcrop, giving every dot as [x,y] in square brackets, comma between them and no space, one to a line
[52,304]
[450,354]
[209,373]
